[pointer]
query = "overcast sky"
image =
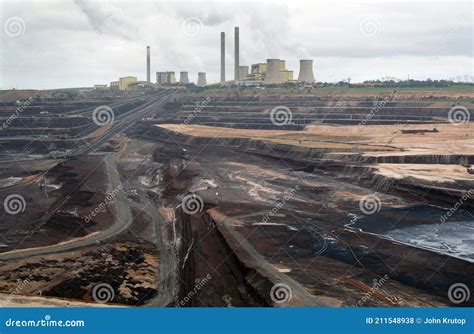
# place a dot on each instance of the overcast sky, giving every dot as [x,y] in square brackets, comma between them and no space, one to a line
[75,43]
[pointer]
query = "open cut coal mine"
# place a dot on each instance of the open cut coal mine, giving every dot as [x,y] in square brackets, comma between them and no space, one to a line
[216,198]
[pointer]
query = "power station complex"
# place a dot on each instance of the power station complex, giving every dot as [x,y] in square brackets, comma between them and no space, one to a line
[271,72]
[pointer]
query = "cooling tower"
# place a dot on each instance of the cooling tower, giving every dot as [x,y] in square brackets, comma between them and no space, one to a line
[148,63]
[222,57]
[160,77]
[201,79]
[243,72]
[183,78]
[273,72]
[236,53]
[306,71]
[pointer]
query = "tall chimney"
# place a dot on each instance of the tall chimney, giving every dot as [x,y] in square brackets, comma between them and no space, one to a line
[222,56]
[148,63]
[236,53]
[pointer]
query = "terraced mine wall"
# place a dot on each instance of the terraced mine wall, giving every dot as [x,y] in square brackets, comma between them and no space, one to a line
[353,166]
[254,112]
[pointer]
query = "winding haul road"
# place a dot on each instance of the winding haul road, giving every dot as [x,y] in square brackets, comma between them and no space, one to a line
[123,216]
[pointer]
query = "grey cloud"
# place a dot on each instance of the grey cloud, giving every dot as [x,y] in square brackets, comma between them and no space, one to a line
[108,19]
[84,42]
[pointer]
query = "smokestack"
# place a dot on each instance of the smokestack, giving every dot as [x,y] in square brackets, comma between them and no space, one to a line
[273,72]
[243,72]
[222,57]
[306,71]
[236,53]
[148,64]
[202,79]
[183,78]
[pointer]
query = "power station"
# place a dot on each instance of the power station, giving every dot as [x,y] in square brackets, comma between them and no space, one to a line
[271,72]
[236,54]
[148,64]
[222,57]
[201,81]
[183,78]
[306,71]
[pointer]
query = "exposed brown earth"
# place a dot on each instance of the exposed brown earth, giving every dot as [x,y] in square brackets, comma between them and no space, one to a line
[272,204]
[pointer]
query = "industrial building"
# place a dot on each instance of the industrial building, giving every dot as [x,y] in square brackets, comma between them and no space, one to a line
[236,54]
[148,79]
[114,85]
[306,74]
[243,72]
[140,85]
[100,86]
[222,57]
[183,78]
[272,72]
[126,81]
[165,78]
[202,81]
